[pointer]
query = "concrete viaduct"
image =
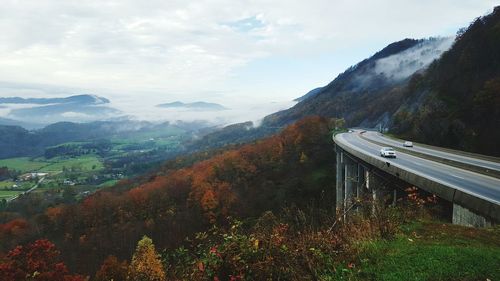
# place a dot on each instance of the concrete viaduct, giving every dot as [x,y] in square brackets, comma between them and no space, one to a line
[473,189]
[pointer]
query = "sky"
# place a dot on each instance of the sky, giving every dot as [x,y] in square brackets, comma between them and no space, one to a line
[250,55]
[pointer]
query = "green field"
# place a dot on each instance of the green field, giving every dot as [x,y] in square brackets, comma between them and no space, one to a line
[5,194]
[6,184]
[84,163]
[25,164]
[21,185]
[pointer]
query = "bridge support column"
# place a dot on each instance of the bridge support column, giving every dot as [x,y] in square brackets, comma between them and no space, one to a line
[394,197]
[361,181]
[373,185]
[339,186]
[464,216]
[351,178]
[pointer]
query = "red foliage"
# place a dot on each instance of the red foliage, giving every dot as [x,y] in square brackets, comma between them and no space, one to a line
[37,261]
[243,181]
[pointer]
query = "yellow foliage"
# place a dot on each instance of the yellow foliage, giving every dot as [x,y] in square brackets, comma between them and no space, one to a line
[145,263]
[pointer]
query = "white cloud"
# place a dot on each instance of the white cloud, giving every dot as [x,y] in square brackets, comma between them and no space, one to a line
[133,49]
[404,64]
[71,114]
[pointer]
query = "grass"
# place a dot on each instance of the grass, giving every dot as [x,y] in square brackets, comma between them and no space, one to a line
[23,164]
[21,185]
[4,184]
[5,194]
[85,163]
[433,251]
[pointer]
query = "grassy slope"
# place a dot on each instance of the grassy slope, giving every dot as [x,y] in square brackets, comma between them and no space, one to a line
[433,251]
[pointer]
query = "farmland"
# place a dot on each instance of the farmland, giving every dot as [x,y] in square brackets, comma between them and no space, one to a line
[26,164]
[86,166]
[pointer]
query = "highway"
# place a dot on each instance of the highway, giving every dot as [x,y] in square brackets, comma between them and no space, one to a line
[483,163]
[475,184]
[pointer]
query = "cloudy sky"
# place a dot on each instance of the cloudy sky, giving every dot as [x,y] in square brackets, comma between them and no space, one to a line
[142,52]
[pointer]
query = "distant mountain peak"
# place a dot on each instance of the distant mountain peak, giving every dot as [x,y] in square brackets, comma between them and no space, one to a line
[75,108]
[309,94]
[84,99]
[198,105]
[90,99]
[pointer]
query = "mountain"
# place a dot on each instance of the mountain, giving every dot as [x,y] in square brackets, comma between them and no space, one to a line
[78,108]
[367,93]
[80,99]
[238,133]
[421,90]
[456,102]
[309,94]
[26,125]
[17,141]
[199,105]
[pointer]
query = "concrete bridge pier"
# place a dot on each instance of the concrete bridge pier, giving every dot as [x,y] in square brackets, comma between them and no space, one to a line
[348,185]
[360,186]
[351,180]
[339,186]
[375,188]
[466,217]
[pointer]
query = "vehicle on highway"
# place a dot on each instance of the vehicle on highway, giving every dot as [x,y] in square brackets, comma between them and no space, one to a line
[408,144]
[387,152]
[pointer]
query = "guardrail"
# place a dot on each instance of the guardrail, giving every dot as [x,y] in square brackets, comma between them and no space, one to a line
[435,186]
[450,162]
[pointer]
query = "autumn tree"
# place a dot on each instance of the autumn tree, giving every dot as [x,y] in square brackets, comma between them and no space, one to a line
[38,261]
[146,265]
[112,269]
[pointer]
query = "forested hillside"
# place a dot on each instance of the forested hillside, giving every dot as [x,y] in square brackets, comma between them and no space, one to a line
[453,102]
[258,212]
[293,168]
[259,202]
[369,92]
[456,102]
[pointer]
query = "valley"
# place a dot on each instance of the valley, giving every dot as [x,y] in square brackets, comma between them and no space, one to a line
[83,167]
[158,156]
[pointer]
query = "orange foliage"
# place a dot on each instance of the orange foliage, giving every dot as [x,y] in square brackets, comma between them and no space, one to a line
[112,269]
[53,213]
[14,227]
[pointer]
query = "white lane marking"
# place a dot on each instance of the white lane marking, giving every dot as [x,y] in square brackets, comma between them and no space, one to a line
[424,175]
[453,175]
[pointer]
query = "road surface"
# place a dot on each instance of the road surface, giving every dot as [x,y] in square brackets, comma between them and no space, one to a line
[478,185]
[483,163]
